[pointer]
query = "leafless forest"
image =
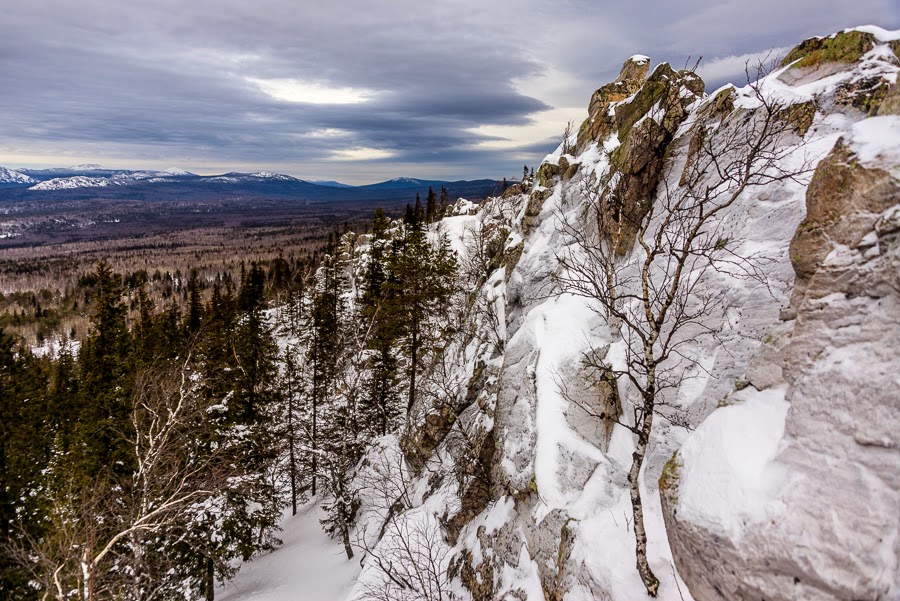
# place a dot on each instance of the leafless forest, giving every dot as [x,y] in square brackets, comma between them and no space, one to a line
[49,251]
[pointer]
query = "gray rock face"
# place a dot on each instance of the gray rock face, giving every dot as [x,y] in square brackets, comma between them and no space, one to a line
[833,531]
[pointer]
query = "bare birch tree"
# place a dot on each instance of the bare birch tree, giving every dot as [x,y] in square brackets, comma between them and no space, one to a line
[107,536]
[409,550]
[678,238]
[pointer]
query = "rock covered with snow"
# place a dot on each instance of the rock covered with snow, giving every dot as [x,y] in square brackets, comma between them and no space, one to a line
[793,491]
[774,473]
[558,473]
[462,206]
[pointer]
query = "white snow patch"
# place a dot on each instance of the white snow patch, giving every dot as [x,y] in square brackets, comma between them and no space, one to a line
[882,35]
[560,335]
[308,567]
[459,229]
[723,479]
[876,137]
[524,577]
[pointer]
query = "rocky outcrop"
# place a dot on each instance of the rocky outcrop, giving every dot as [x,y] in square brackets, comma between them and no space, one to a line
[645,126]
[599,123]
[847,46]
[777,457]
[828,526]
[868,89]
[843,202]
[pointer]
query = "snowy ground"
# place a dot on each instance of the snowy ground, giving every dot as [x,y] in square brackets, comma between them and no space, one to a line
[308,567]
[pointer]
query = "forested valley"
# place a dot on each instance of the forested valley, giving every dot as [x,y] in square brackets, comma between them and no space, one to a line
[150,459]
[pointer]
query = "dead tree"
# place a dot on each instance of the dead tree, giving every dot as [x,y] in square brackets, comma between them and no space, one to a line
[567,146]
[654,295]
[409,551]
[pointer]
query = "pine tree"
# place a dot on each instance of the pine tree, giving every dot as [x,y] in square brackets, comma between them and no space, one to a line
[423,279]
[431,208]
[377,311]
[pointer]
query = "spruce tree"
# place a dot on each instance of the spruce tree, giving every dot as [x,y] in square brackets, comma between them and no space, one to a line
[105,381]
[26,437]
[418,211]
[445,201]
[254,411]
[323,344]
[195,304]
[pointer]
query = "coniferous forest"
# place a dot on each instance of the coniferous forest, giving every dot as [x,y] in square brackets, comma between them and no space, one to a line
[152,458]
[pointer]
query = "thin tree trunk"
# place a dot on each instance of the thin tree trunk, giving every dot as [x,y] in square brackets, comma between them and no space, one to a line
[293,459]
[651,582]
[345,530]
[413,363]
[315,457]
[315,415]
[210,583]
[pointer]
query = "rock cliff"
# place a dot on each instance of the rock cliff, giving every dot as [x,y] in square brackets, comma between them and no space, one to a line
[774,469]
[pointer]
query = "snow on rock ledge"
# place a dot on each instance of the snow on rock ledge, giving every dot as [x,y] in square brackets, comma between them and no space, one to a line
[723,472]
[818,517]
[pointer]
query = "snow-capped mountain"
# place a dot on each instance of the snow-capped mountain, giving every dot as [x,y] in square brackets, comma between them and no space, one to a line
[10,176]
[176,171]
[77,181]
[121,178]
[275,176]
[174,182]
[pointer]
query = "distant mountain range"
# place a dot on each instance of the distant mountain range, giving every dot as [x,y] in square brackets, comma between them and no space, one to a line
[81,182]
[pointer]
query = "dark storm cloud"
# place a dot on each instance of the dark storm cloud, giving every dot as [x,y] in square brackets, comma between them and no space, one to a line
[174,81]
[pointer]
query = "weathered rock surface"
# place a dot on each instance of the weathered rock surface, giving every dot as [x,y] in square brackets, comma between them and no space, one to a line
[829,527]
[599,123]
[645,125]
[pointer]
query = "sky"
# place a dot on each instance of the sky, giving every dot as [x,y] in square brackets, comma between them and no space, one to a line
[355,91]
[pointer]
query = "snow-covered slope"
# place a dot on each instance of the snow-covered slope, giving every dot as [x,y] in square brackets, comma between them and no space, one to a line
[561,474]
[78,181]
[122,178]
[307,567]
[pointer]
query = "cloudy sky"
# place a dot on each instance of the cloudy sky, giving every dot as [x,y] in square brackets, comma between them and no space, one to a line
[357,91]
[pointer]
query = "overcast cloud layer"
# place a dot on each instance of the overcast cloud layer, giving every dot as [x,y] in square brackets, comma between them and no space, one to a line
[357,91]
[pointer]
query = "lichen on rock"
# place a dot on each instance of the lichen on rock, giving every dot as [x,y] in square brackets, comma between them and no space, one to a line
[598,124]
[844,47]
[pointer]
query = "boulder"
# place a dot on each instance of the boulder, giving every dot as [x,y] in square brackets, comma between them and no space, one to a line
[824,521]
